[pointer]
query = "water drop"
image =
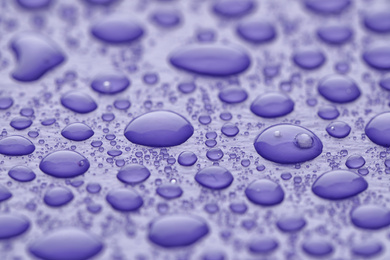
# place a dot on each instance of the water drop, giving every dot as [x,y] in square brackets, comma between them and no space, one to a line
[166,18]
[77,132]
[21,173]
[133,174]
[21,122]
[263,245]
[335,34]
[338,129]
[283,137]
[317,247]
[66,243]
[230,129]
[257,32]
[78,102]
[34,4]
[378,57]
[377,21]
[339,184]
[272,105]
[187,158]
[233,8]
[12,225]
[58,196]
[328,112]
[5,194]
[35,55]
[214,154]
[186,87]
[291,223]
[169,191]
[355,161]
[159,129]
[327,7]
[367,248]
[6,102]
[110,84]
[177,230]
[64,164]
[378,129]
[117,30]
[264,192]
[338,88]
[214,177]
[16,146]
[309,59]
[124,199]
[211,60]
[370,217]
[233,95]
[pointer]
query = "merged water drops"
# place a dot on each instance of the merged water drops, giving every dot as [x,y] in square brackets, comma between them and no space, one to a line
[378,57]
[124,199]
[66,243]
[309,59]
[133,174]
[35,54]
[58,196]
[21,173]
[378,129]
[297,143]
[64,164]
[338,88]
[211,60]
[12,225]
[159,129]
[16,146]
[117,30]
[370,217]
[264,192]
[233,8]
[339,184]
[335,34]
[77,132]
[273,104]
[255,31]
[78,102]
[110,84]
[177,230]
[214,177]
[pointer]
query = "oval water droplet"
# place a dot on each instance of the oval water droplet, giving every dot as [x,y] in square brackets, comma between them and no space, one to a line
[355,161]
[5,194]
[328,112]
[211,60]
[166,18]
[64,164]
[291,223]
[367,248]
[124,199]
[327,7]
[169,191]
[66,243]
[34,4]
[335,34]
[21,122]
[257,32]
[317,247]
[377,21]
[214,177]
[384,83]
[12,225]
[133,174]
[378,129]
[177,230]
[230,129]
[233,8]
[110,84]
[297,143]
[187,158]
[159,129]
[77,132]
[339,184]
[264,192]
[338,129]
[21,173]
[233,95]
[370,217]
[309,59]
[78,102]
[272,105]
[378,57]
[58,196]
[338,88]
[35,55]
[16,146]
[263,245]
[117,30]
[6,102]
